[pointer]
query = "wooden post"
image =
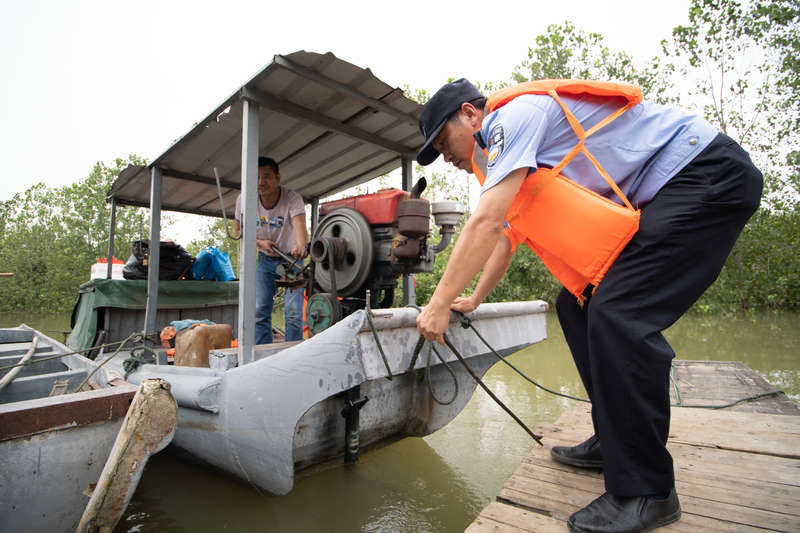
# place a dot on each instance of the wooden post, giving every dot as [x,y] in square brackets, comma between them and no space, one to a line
[148,427]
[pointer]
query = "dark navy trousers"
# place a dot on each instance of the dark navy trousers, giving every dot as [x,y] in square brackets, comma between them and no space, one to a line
[685,235]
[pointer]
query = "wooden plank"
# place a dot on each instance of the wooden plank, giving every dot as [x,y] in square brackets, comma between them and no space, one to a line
[569,489]
[81,408]
[487,525]
[727,488]
[560,510]
[562,498]
[720,382]
[501,517]
[710,461]
[749,432]
[736,469]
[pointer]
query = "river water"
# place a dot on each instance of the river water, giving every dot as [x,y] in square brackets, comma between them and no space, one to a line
[441,482]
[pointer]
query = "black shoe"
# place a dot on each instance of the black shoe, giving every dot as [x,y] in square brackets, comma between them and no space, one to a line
[614,514]
[587,454]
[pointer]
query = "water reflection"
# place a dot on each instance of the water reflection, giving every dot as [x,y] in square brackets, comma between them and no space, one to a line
[439,483]
[403,487]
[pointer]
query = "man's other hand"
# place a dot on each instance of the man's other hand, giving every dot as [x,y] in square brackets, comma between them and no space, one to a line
[432,322]
[299,251]
[266,245]
[464,304]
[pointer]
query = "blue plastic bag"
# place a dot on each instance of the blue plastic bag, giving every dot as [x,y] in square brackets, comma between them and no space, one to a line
[212,264]
[200,265]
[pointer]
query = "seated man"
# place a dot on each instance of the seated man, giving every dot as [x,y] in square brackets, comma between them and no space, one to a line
[282,224]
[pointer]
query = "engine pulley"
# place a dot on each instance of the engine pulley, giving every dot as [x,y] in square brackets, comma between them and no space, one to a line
[322,311]
[343,244]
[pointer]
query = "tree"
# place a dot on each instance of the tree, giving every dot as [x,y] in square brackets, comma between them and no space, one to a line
[567,52]
[51,237]
[215,234]
[739,60]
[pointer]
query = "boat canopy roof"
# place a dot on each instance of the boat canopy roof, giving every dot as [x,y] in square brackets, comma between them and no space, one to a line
[329,124]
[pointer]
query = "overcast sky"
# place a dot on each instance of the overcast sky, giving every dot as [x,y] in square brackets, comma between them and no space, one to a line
[87,81]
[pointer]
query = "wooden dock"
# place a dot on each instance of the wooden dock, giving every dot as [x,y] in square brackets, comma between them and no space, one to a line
[736,469]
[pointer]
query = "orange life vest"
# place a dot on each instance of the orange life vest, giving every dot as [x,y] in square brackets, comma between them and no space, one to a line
[577,233]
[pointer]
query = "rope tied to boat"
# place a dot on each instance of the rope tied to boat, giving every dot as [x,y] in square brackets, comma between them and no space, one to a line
[368,312]
[432,348]
[135,337]
[479,381]
[141,355]
[680,403]
[467,323]
[150,336]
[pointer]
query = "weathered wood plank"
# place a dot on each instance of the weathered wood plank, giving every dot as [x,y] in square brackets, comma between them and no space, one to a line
[725,487]
[721,382]
[487,525]
[736,469]
[568,489]
[748,432]
[501,517]
[689,523]
[708,461]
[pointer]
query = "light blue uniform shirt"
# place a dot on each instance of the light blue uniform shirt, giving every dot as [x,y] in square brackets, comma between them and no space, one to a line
[641,150]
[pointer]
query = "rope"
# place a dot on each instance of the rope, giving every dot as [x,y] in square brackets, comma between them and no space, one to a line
[731,404]
[222,205]
[432,348]
[467,323]
[537,438]
[135,336]
[141,355]
[77,352]
[368,312]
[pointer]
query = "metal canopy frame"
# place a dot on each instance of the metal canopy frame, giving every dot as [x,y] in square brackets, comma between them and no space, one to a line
[330,125]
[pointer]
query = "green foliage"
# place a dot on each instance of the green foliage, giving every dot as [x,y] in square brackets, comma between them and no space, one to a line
[51,237]
[568,52]
[214,234]
[527,279]
[739,61]
[763,271]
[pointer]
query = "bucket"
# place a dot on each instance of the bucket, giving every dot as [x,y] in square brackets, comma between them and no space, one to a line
[100,269]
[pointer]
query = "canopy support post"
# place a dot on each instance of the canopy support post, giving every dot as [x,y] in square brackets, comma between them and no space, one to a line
[154,254]
[409,293]
[314,214]
[111,230]
[249,253]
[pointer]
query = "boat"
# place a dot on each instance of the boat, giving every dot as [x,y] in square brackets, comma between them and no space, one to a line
[53,442]
[287,410]
[264,412]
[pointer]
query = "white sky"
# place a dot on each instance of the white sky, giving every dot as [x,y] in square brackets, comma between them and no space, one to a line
[86,81]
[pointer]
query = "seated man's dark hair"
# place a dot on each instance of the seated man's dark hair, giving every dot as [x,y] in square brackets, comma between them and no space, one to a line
[268,162]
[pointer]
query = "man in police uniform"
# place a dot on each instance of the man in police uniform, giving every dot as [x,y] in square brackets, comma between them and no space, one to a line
[695,187]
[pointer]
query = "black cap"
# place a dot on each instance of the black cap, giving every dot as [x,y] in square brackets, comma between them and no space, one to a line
[444,103]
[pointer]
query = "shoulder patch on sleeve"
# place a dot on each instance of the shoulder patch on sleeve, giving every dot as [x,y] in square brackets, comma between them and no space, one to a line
[496,143]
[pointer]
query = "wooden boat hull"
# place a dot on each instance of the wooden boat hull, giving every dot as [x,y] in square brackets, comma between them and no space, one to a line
[52,449]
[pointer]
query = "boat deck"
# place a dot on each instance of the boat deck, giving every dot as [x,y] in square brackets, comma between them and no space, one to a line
[736,469]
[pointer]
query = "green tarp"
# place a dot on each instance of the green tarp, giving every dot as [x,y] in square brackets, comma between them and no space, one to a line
[132,294]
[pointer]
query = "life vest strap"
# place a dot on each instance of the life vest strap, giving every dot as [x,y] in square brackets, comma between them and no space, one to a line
[580,147]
